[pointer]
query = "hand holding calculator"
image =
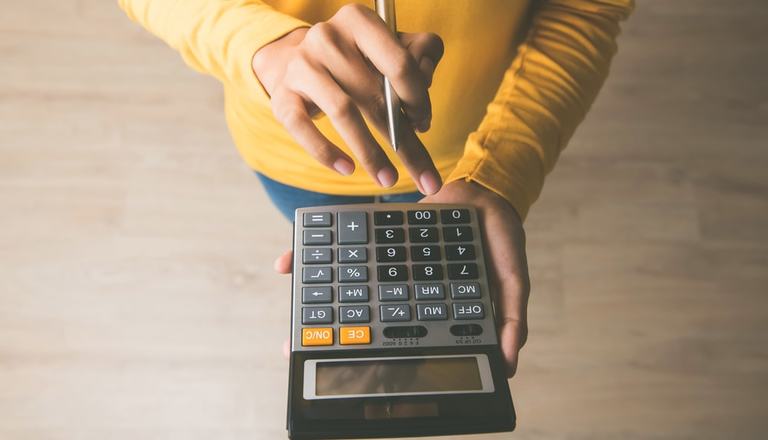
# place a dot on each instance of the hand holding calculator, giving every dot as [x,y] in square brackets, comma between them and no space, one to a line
[393,330]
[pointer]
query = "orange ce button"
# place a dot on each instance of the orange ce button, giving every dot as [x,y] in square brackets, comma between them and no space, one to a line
[354,335]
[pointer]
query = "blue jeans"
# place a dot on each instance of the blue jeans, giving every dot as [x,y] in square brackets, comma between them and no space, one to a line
[287,198]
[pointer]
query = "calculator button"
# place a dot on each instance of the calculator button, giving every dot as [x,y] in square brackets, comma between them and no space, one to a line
[317,336]
[316,315]
[468,290]
[387,218]
[350,294]
[429,291]
[390,254]
[395,313]
[425,234]
[466,330]
[353,254]
[314,255]
[314,295]
[354,335]
[390,235]
[352,314]
[454,216]
[459,252]
[315,219]
[317,236]
[425,253]
[397,272]
[431,312]
[468,310]
[427,272]
[462,271]
[352,227]
[316,275]
[422,217]
[457,233]
[393,292]
[405,331]
[353,274]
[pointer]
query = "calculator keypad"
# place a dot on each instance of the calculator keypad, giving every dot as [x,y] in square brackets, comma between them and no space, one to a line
[387,275]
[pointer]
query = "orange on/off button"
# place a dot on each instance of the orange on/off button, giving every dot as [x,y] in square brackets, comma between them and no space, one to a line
[354,335]
[317,336]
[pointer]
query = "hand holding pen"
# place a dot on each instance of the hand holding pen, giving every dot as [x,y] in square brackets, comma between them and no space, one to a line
[336,67]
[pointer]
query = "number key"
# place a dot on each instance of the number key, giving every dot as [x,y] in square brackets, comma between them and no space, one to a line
[390,254]
[390,235]
[457,233]
[425,253]
[422,217]
[422,235]
[426,272]
[397,272]
[462,271]
[459,252]
[454,216]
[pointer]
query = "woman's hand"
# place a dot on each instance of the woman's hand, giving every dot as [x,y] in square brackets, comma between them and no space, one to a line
[335,67]
[504,241]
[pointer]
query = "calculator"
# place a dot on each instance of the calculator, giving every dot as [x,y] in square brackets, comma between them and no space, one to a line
[392,328]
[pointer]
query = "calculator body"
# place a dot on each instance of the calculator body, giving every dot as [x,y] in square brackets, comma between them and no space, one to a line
[392,328]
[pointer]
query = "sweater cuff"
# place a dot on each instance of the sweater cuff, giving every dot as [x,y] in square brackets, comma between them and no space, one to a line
[517,177]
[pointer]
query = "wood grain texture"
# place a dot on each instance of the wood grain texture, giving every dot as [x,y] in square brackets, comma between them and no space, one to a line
[137,298]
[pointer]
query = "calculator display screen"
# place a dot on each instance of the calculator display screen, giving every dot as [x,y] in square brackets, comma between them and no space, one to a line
[394,376]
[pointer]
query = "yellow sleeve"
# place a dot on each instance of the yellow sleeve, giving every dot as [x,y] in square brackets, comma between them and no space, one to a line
[543,97]
[217,37]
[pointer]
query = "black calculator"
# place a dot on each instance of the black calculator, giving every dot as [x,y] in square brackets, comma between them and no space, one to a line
[392,328]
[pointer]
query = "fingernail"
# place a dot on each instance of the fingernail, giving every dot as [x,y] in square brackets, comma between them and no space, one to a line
[387,177]
[430,182]
[344,167]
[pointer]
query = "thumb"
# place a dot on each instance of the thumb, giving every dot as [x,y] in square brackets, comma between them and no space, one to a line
[284,263]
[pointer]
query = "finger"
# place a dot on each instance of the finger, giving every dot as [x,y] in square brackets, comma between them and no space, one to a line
[513,334]
[417,161]
[374,40]
[320,88]
[284,263]
[509,276]
[291,110]
[355,76]
[427,49]
[286,349]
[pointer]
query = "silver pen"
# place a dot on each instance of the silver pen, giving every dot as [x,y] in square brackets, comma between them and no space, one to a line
[386,10]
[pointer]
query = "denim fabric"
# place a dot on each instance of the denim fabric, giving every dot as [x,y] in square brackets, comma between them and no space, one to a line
[288,198]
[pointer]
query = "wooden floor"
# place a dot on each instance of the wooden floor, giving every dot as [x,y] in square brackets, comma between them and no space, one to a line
[137,299]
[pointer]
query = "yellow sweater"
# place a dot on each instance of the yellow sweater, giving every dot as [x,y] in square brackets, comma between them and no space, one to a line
[517,78]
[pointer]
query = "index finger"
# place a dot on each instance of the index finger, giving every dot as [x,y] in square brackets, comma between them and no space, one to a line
[389,57]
